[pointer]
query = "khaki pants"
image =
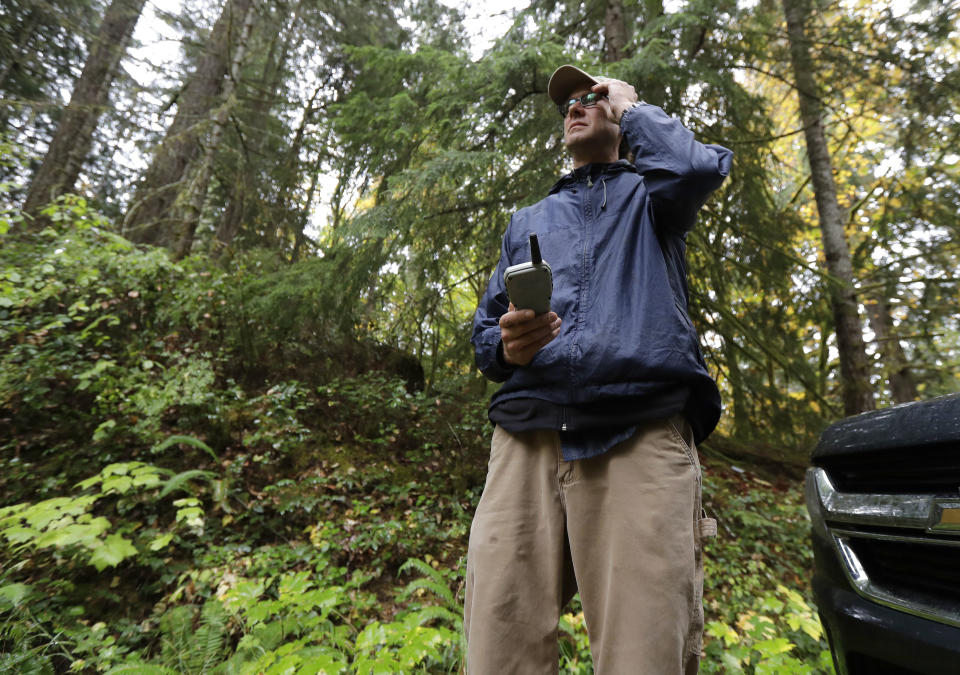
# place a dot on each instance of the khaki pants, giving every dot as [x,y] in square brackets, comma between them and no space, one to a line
[624,528]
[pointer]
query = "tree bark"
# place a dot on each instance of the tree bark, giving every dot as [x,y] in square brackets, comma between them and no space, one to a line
[60,169]
[300,236]
[150,218]
[615,32]
[232,217]
[903,388]
[268,85]
[197,192]
[854,366]
[290,174]
[288,33]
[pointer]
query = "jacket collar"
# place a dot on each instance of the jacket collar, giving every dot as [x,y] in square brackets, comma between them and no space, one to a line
[591,172]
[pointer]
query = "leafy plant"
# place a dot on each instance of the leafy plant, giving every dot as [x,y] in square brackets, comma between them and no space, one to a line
[177,499]
[575,657]
[188,646]
[768,639]
[69,523]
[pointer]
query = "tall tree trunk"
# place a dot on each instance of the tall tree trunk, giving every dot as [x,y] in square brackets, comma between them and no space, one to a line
[149,220]
[742,422]
[615,32]
[303,219]
[233,215]
[902,386]
[854,367]
[197,192]
[73,139]
[270,82]
[290,173]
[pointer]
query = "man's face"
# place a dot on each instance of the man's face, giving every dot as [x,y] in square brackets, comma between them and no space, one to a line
[590,132]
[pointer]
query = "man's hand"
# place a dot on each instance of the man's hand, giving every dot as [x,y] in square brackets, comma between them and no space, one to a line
[620,95]
[523,333]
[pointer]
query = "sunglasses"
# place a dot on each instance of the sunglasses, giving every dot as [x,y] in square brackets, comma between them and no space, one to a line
[587,101]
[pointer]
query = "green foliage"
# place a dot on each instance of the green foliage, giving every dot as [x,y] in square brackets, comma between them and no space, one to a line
[575,655]
[285,317]
[774,636]
[96,333]
[203,517]
[113,561]
[43,49]
[757,619]
[291,620]
[188,646]
[68,523]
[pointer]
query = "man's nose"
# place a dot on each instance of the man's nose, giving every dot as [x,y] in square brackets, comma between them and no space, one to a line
[576,110]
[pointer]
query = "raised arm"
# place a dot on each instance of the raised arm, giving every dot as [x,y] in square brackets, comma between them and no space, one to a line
[679,171]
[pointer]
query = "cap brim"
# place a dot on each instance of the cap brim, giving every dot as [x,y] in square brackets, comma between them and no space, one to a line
[567,79]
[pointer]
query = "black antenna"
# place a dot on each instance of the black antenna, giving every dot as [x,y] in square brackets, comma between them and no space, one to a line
[535,256]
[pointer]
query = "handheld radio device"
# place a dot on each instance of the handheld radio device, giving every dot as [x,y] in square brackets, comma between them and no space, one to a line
[530,284]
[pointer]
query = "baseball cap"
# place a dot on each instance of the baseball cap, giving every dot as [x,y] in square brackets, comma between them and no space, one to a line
[567,79]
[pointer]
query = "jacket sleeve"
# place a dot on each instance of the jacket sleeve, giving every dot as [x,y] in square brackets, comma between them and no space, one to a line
[488,350]
[678,171]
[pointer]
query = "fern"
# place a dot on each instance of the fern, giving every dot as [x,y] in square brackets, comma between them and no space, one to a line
[24,663]
[182,477]
[198,650]
[30,645]
[186,440]
[208,643]
[141,669]
[176,627]
[450,612]
[435,613]
[431,580]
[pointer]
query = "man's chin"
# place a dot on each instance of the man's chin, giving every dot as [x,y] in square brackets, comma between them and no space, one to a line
[582,146]
[575,141]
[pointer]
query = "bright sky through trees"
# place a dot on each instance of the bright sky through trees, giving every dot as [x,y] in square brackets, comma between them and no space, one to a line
[485,21]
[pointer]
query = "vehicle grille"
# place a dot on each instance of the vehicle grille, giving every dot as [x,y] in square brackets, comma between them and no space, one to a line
[911,568]
[929,470]
[900,550]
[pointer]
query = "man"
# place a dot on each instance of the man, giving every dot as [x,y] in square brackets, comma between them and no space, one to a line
[593,482]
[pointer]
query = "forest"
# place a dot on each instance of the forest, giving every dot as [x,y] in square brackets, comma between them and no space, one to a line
[241,428]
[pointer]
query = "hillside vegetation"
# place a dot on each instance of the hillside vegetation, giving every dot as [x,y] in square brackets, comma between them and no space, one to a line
[197,476]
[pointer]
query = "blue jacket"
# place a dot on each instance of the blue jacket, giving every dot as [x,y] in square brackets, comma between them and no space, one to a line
[614,236]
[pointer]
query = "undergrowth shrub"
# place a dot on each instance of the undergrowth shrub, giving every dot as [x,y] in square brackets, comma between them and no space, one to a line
[47,594]
[68,526]
[757,621]
[285,319]
[778,633]
[202,470]
[103,346]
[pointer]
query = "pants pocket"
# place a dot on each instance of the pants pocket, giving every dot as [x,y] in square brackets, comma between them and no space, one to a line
[683,435]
